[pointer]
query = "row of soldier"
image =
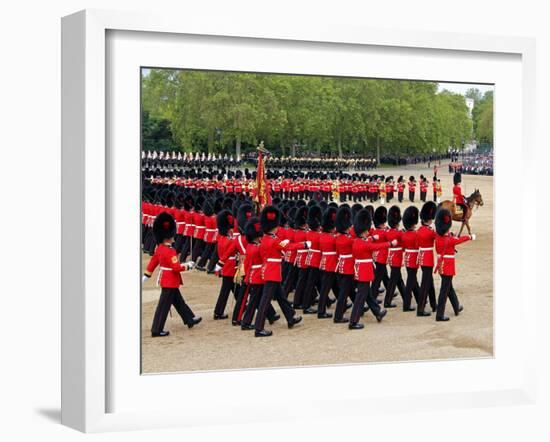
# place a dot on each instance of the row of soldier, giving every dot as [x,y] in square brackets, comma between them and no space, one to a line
[317,186]
[309,249]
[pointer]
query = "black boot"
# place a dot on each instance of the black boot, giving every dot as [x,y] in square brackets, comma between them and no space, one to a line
[262,333]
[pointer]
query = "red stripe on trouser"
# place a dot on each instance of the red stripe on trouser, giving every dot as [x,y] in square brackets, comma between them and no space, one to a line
[243,303]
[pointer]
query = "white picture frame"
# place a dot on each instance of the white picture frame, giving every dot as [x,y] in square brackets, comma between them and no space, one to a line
[86,215]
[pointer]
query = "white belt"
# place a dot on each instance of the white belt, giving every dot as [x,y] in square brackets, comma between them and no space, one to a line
[191,225]
[425,248]
[411,250]
[345,256]
[394,249]
[447,256]
[359,261]
[166,268]
[329,253]
[301,251]
[314,250]
[256,266]
[199,227]
[232,258]
[273,260]
[180,222]
[211,230]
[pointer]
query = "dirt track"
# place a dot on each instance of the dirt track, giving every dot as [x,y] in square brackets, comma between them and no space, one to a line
[216,345]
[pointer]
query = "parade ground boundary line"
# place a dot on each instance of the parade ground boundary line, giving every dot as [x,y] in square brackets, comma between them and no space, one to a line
[101,386]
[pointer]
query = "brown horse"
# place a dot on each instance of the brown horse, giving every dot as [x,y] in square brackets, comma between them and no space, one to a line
[474,200]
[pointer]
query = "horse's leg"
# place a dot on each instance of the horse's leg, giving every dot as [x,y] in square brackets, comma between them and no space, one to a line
[461,227]
[468,226]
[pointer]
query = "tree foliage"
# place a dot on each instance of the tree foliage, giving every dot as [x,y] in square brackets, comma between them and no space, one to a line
[228,112]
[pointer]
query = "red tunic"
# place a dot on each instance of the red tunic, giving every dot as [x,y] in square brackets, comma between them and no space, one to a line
[301,253]
[210,228]
[395,253]
[166,258]
[198,220]
[314,254]
[380,256]
[457,194]
[445,249]
[189,228]
[272,250]
[327,246]
[227,252]
[409,241]
[290,255]
[425,238]
[253,264]
[344,245]
[362,250]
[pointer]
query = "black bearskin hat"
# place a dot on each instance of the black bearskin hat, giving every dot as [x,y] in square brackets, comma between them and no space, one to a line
[457,178]
[253,229]
[370,208]
[300,203]
[400,179]
[410,217]
[300,218]
[428,210]
[188,202]
[225,221]
[164,227]
[411,178]
[227,203]
[244,213]
[314,215]
[199,202]
[362,222]
[270,218]
[291,215]
[394,216]
[356,208]
[343,219]
[329,218]
[207,208]
[443,221]
[380,216]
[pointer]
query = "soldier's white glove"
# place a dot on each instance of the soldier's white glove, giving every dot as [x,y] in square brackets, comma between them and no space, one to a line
[393,242]
[473,236]
[144,278]
[217,268]
[190,265]
[308,244]
[284,242]
[375,237]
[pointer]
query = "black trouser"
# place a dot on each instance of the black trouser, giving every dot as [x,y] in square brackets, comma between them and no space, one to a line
[185,248]
[435,197]
[170,297]
[411,288]
[400,196]
[380,277]
[213,259]
[285,269]
[426,288]
[447,290]
[364,294]
[178,243]
[254,296]
[290,281]
[345,289]
[313,287]
[411,196]
[423,196]
[198,247]
[300,287]
[272,290]
[396,281]
[228,285]
[328,282]
[206,253]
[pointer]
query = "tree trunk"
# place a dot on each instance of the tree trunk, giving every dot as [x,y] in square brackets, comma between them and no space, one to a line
[293,150]
[238,147]
[378,150]
[340,144]
[282,144]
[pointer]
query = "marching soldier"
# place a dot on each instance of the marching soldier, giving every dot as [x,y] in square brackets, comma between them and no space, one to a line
[409,242]
[345,266]
[380,256]
[313,260]
[457,194]
[362,249]
[329,259]
[164,229]
[400,188]
[445,244]
[395,260]
[272,249]
[412,188]
[425,240]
